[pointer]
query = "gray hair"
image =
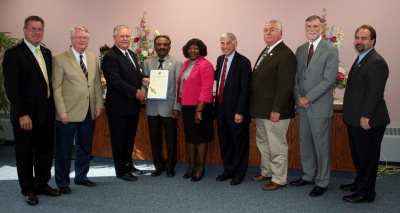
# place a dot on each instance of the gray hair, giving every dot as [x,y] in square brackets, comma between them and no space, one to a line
[120,27]
[72,33]
[228,34]
[277,23]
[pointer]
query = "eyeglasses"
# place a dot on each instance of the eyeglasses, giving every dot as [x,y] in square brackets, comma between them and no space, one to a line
[34,29]
[123,36]
[83,38]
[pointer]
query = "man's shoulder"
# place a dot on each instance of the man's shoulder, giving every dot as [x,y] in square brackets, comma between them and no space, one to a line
[240,57]
[61,54]
[174,60]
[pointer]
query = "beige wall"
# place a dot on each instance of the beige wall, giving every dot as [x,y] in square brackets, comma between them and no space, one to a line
[208,19]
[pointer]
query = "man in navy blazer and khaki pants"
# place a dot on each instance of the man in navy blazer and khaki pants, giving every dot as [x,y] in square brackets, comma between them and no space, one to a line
[124,81]
[272,105]
[27,75]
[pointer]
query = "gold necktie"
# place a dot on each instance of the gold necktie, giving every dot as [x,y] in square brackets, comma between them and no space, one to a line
[42,65]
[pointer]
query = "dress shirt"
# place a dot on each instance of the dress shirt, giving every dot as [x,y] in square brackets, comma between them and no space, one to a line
[315,43]
[230,58]
[126,51]
[362,55]
[78,58]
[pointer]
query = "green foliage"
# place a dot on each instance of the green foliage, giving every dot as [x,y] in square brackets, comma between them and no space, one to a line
[6,42]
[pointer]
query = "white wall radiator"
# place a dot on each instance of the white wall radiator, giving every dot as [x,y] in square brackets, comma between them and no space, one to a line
[390,147]
[7,132]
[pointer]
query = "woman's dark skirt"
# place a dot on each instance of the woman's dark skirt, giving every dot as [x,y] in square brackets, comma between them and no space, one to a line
[202,132]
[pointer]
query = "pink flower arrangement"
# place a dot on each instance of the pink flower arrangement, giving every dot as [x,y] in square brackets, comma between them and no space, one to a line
[341,79]
[142,43]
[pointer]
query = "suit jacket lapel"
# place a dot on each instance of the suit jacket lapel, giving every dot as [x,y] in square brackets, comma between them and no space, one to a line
[232,69]
[273,53]
[91,63]
[123,58]
[76,65]
[31,57]
[320,49]
[354,69]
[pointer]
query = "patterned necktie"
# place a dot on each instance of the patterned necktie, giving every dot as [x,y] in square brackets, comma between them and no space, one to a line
[42,65]
[262,57]
[310,54]
[83,66]
[160,67]
[222,82]
[129,59]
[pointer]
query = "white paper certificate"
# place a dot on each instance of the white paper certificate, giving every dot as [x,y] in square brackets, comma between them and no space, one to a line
[158,86]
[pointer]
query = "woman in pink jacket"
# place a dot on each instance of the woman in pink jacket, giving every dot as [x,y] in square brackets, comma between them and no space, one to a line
[195,87]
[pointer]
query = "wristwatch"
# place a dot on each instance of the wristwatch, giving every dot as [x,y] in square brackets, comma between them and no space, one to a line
[198,110]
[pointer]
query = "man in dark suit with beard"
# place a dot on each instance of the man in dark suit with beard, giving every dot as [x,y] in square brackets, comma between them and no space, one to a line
[366,114]
[124,80]
[27,81]
[233,76]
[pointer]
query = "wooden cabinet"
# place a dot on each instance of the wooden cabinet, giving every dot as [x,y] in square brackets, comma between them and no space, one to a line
[340,150]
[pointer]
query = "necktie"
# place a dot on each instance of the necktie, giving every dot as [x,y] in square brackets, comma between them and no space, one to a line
[42,65]
[310,54]
[129,59]
[83,66]
[262,57]
[222,82]
[354,65]
[161,61]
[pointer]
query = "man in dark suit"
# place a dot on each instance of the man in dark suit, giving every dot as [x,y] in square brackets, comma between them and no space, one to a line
[163,114]
[272,105]
[27,70]
[317,67]
[233,76]
[365,113]
[124,80]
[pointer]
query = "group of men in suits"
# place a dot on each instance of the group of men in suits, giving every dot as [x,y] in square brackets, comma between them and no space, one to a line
[46,94]
[71,91]
[309,76]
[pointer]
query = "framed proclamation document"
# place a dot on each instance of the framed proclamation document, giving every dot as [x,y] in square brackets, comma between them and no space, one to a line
[158,86]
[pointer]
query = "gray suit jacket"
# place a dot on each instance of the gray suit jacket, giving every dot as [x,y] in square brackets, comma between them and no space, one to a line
[72,92]
[161,107]
[316,81]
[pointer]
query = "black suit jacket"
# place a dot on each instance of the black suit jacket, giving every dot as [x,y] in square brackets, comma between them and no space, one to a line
[25,85]
[364,95]
[236,88]
[272,84]
[123,81]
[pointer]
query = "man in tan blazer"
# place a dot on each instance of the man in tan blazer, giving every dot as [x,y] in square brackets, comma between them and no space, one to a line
[78,100]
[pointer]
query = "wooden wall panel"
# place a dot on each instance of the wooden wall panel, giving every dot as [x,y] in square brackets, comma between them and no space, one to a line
[340,151]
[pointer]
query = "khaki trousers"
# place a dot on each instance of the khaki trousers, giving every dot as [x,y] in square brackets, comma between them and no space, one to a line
[273,146]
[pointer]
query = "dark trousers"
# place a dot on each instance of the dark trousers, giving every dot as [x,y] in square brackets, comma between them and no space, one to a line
[65,134]
[34,155]
[365,146]
[234,144]
[122,133]
[169,124]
